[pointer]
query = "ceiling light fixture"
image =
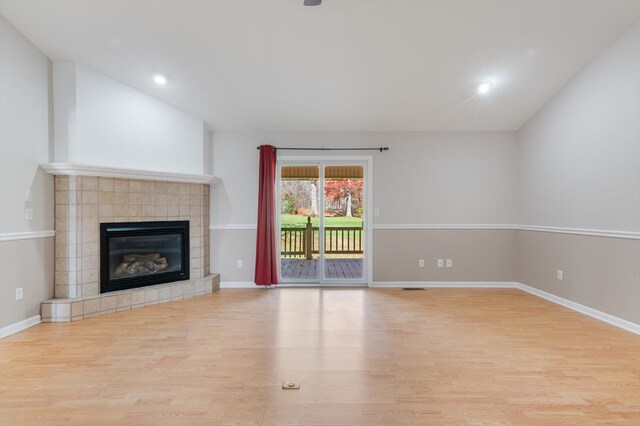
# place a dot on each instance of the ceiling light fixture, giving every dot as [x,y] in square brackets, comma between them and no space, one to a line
[312,2]
[160,79]
[485,87]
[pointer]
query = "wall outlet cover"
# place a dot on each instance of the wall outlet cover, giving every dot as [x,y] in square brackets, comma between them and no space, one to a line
[19,293]
[421,263]
[559,274]
[440,263]
[449,263]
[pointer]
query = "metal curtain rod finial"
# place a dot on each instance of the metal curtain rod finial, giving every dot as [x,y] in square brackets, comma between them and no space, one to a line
[381,148]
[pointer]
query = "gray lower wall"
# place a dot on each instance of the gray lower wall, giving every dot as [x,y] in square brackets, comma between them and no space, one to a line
[599,272]
[478,255]
[27,264]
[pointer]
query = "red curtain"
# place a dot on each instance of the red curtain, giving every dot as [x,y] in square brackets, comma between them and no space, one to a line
[266,256]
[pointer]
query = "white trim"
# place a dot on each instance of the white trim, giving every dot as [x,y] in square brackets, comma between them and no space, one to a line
[438,226]
[574,231]
[19,326]
[238,284]
[72,169]
[27,235]
[631,235]
[594,313]
[443,284]
[233,227]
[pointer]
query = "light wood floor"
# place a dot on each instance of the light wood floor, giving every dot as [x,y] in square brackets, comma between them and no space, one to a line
[392,357]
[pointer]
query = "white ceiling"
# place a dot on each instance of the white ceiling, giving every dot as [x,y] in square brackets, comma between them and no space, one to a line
[354,65]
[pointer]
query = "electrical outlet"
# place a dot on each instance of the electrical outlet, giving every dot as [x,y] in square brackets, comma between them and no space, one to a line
[28,214]
[27,195]
[19,293]
[376,212]
[440,263]
[239,263]
[421,263]
[449,263]
[559,274]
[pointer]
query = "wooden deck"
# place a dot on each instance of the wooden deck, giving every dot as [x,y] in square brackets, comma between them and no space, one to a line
[335,269]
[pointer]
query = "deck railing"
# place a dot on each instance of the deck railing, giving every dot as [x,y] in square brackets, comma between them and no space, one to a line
[304,242]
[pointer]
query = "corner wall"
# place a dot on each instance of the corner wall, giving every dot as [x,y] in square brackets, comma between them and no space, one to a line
[26,247]
[579,167]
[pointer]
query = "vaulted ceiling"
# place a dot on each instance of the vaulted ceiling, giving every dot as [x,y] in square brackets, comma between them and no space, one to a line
[350,65]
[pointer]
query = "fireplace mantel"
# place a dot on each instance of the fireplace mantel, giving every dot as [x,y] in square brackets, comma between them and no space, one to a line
[74,169]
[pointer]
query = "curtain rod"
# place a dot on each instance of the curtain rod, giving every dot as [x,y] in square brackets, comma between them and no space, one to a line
[382,148]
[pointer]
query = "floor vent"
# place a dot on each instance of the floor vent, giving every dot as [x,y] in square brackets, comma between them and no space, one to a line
[413,288]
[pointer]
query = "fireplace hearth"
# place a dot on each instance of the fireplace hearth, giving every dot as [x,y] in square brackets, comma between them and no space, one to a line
[140,254]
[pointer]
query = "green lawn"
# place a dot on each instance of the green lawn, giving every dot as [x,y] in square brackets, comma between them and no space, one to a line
[294,221]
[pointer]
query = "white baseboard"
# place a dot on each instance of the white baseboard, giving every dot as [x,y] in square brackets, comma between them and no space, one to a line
[250,284]
[443,284]
[594,313]
[238,284]
[19,326]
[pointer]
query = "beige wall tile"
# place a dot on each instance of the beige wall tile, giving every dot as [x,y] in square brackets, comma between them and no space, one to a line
[137,297]
[161,187]
[121,198]
[91,306]
[89,183]
[123,300]
[135,186]
[105,197]
[105,184]
[89,197]
[121,185]
[107,303]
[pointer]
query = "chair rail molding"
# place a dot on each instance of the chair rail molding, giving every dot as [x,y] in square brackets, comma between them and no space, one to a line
[27,235]
[632,235]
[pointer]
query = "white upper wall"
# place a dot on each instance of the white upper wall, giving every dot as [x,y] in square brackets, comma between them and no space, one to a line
[579,157]
[101,122]
[425,177]
[25,75]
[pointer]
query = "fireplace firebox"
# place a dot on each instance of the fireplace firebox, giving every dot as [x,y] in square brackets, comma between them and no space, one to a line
[139,254]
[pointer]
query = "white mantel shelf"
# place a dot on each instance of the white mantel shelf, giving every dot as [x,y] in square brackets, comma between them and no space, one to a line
[72,169]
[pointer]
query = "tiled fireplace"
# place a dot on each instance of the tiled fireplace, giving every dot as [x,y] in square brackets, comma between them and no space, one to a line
[84,203]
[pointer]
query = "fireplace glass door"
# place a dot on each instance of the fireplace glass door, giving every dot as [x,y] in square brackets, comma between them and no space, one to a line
[143,253]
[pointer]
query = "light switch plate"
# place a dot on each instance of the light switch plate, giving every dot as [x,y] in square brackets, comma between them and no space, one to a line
[28,214]
[19,293]
[449,263]
[440,263]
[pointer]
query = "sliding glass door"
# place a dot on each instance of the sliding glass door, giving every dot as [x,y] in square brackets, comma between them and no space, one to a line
[322,222]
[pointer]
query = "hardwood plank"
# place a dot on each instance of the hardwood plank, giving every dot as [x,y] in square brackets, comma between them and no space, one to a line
[363,356]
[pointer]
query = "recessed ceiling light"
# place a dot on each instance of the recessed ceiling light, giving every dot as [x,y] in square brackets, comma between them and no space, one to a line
[160,79]
[485,87]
